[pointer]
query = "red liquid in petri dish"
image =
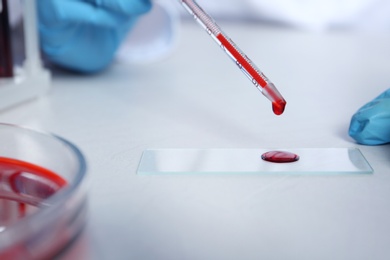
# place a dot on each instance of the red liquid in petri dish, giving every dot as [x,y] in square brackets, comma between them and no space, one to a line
[24,190]
[23,186]
[280,157]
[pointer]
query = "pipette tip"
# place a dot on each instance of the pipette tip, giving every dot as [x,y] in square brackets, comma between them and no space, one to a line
[278,106]
[278,102]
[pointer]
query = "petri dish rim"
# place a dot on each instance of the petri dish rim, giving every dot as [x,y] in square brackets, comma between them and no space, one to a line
[15,232]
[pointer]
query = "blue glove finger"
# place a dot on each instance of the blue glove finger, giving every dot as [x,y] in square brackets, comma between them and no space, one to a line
[126,7]
[76,11]
[370,125]
[78,36]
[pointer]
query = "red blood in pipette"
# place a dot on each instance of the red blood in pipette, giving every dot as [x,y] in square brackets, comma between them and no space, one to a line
[244,63]
[278,106]
[280,157]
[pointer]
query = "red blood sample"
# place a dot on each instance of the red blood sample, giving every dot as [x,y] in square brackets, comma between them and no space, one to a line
[280,157]
[278,106]
[23,186]
[278,103]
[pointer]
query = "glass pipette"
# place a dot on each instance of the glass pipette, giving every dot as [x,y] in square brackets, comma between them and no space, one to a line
[258,79]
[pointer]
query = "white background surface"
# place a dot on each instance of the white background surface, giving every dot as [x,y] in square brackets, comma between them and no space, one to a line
[197,98]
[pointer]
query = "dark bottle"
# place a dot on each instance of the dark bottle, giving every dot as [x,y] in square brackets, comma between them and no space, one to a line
[6,62]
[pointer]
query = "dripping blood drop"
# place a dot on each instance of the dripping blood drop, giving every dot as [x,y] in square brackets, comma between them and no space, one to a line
[278,107]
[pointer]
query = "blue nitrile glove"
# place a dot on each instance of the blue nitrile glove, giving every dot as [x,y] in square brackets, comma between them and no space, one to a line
[83,35]
[371,123]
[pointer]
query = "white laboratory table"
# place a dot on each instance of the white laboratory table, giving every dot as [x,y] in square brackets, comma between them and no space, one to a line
[197,98]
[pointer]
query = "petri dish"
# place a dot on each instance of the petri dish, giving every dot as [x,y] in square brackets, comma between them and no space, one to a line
[43,193]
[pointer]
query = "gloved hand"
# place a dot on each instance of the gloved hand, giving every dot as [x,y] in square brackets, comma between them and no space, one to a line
[83,35]
[371,123]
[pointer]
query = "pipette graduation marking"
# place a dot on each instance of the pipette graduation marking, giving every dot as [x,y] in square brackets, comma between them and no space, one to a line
[258,79]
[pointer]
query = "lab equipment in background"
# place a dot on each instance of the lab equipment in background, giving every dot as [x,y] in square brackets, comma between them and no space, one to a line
[259,80]
[154,37]
[6,67]
[32,79]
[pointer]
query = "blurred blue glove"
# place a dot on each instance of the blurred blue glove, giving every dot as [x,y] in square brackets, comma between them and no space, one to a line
[83,35]
[371,123]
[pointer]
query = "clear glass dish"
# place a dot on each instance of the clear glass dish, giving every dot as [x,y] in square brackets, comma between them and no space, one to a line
[42,193]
